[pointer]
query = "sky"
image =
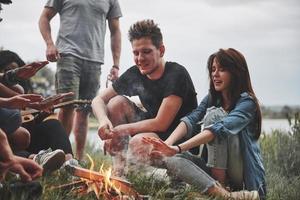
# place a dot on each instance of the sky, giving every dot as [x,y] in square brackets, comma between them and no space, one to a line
[266,31]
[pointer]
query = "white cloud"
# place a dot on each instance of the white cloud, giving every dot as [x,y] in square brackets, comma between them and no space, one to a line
[266,31]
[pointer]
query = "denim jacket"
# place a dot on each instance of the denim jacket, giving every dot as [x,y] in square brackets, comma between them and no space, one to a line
[240,120]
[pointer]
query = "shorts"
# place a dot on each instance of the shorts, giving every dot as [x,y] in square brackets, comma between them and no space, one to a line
[10,120]
[79,76]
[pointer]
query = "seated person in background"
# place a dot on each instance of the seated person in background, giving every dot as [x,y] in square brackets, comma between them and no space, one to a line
[232,125]
[45,135]
[165,89]
[10,119]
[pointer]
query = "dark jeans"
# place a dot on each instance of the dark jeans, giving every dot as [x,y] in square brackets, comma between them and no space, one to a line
[10,120]
[49,134]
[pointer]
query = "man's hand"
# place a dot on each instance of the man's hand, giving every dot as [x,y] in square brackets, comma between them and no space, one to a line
[26,168]
[52,53]
[21,101]
[29,70]
[104,130]
[48,103]
[114,73]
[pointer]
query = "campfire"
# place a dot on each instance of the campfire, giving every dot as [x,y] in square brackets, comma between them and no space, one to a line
[102,183]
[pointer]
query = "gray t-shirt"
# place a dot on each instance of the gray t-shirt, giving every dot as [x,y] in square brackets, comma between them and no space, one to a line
[83,26]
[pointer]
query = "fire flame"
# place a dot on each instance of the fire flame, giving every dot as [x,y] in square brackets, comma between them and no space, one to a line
[105,187]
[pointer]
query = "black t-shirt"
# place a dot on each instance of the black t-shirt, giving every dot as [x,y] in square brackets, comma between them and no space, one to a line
[175,81]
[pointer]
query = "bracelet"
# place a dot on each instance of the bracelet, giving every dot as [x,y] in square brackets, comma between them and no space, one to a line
[179,149]
[10,78]
[116,66]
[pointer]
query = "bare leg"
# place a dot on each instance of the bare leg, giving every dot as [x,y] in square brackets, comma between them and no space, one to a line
[219,175]
[138,150]
[66,116]
[20,139]
[80,131]
[120,111]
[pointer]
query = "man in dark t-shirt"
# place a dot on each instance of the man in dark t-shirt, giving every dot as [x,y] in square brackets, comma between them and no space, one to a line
[165,89]
[175,80]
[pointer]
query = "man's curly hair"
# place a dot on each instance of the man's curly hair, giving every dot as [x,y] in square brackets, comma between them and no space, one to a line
[146,28]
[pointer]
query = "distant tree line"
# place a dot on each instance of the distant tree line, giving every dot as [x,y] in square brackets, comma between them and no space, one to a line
[279,112]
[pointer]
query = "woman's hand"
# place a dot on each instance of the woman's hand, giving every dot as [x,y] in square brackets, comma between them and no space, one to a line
[30,70]
[160,148]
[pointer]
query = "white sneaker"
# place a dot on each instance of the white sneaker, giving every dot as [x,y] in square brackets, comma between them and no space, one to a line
[50,160]
[243,195]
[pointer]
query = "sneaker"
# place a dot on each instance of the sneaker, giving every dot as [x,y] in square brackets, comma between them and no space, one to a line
[50,160]
[243,195]
[72,162]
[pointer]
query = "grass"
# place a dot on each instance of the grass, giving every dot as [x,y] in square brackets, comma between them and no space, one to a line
[280,151]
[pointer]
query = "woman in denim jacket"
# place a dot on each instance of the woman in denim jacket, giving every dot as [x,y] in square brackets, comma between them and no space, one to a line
[231,129]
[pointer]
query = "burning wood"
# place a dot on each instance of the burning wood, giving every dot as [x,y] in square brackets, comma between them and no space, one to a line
[123,186]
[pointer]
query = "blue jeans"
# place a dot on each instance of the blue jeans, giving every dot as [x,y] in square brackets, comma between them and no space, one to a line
[10,120]
[223,153]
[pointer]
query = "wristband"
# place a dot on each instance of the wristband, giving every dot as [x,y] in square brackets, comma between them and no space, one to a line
[10,78]
[179,149]
[116,66]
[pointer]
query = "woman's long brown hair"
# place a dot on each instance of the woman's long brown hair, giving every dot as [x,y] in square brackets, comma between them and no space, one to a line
[233,61]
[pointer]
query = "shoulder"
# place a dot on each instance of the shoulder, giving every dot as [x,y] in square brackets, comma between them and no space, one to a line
[176,69]
[132,70]
[175,65]
[246,100]
[246,96]
[131,73]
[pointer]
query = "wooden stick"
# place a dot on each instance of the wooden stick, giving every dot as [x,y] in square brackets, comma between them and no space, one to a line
[123,185]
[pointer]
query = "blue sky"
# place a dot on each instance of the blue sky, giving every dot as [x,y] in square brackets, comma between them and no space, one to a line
[265,31]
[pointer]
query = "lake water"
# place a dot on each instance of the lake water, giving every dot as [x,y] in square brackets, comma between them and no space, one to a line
[267,125]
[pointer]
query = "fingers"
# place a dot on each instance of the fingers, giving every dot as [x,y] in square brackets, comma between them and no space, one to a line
[36,172]
[156,154]
[23,174]
[32,97]
[104,133]
[108,147]
[52,54]
[152,140]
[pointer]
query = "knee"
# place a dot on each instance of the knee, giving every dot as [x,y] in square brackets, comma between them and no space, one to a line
[13,121]
[20,139]
[117,105]
[138,148]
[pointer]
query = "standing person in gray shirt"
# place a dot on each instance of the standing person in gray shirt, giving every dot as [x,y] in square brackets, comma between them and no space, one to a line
[79,53]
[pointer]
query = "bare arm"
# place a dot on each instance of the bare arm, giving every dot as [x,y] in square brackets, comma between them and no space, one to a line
[165,116]
[115,45]
[177,134]
[201,138]
[45,29]
[115,39]
[160,147]
[10,91]
[100,111]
